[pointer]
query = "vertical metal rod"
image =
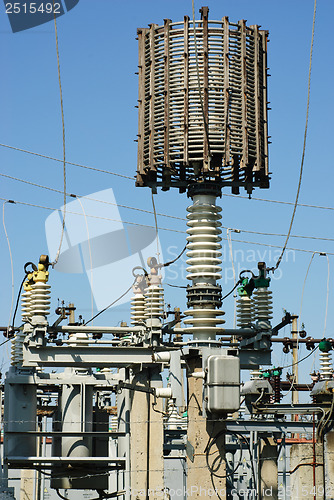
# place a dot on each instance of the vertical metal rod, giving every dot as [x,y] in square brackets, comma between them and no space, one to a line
[257,94]
[294,332]
[244,160]
[263,55]
[205,12]
[152,97]
[186,91]
[166,92]
[226,92]
[141,33]
[123,409]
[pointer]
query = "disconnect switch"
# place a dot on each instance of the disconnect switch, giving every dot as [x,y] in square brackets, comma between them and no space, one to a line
[223,384]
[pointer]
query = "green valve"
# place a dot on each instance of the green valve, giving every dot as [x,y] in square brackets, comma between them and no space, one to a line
[266,374]
[261,281]
[325,345]
[277,372]
[246,288]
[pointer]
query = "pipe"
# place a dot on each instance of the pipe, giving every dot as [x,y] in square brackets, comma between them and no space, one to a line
[99,329]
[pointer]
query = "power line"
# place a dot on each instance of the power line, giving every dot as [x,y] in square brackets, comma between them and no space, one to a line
[63,137]
[304,143]
[276,201]
[254,198]
[300,360]
[10,257]
[160,214]
[162,228]
[67,162]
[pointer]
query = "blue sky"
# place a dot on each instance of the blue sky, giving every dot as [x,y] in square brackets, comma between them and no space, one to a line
[98,57]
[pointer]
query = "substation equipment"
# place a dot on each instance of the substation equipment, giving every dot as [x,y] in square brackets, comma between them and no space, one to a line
[202,128]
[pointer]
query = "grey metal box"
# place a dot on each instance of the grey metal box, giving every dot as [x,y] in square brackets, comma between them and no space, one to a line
[223,383]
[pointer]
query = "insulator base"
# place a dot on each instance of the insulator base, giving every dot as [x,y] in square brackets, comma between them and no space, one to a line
[200,294]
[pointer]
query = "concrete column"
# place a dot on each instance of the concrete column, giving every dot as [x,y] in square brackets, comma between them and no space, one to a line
[147,468]
[306,474]
[329,464]
[200,482]
[27,484]
[268,469]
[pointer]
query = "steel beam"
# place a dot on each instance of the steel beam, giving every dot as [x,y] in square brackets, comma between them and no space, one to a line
[86,356]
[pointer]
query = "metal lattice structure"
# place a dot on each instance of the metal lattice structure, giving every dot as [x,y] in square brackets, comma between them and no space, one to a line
[205,121]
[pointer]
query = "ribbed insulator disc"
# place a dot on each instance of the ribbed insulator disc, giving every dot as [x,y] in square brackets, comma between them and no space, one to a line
[137,309]
[203,242]
[204,319]
[17,349]
[26,305]
[40,299]
[244,311]
[263,304]
[154,302]
[326,365]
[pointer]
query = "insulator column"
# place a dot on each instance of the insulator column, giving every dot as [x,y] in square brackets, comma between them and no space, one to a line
[245,311]
[326,369]
[138,302]
[154,302]
[263,304]
[40,299]
[203,252]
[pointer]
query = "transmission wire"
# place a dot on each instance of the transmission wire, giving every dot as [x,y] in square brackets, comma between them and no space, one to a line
[304,143]
[10,256]
[63,134]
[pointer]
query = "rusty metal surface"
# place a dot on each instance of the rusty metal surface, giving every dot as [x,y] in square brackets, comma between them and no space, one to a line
[173,150]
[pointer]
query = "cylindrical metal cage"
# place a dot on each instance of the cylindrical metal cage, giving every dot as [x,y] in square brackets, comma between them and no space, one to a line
[202,104]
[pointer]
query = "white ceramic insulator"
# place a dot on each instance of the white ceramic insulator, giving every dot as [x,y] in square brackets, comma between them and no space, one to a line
[203,252]
[263,308]
[40,299]
[154,301]
[137,309]
[203,247]
[174,420]
[204,321]
[163,392]
[256,374]
[17,349]
[326,365]
[26,305]
[244,311]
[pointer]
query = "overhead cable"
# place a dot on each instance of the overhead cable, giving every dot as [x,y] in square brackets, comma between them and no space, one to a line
[10,256]
[162,228]
[304,143]
[63,137]
[67,162]
[166,215]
